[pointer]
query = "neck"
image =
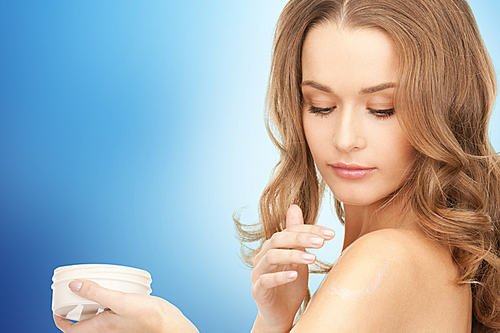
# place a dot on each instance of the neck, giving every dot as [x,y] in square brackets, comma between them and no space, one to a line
[360,220]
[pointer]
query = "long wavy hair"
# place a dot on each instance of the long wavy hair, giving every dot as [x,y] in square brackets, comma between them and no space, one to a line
[444,98]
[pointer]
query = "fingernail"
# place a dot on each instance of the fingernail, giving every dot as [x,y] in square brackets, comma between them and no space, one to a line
[308,257]
[328,233]
[316,240]
[75,285]
[291,275]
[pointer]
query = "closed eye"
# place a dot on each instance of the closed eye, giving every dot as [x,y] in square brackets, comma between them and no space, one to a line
[383,114]
[322,112]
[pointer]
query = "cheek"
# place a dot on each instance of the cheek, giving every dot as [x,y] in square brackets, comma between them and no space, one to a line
[317,138]
[389,133]
[403,154]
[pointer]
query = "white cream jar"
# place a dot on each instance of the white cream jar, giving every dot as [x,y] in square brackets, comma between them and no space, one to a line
[68,305]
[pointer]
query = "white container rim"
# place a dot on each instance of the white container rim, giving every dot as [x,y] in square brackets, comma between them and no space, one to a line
[67,281]
[95,269]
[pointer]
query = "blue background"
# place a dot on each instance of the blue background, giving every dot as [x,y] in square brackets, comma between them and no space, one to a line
[129,134]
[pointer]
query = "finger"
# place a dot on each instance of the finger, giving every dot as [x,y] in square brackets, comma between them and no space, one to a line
[92,291]
[294,216]
[272,280]
[313,237]
[288,240]
[277,257]
[295,221]
[292,240]
[324,232]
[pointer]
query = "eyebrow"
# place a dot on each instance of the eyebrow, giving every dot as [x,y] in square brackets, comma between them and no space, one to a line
[364,91]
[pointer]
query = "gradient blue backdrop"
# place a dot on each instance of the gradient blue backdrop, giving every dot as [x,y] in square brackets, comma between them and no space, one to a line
[129,133]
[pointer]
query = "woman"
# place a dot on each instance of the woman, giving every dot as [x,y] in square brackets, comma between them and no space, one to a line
[387,103]
[390,102]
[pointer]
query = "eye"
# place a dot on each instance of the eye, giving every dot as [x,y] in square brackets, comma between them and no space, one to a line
[322,112]
[382,114]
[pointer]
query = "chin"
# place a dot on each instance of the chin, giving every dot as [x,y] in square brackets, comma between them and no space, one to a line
[357,202]
[358,199]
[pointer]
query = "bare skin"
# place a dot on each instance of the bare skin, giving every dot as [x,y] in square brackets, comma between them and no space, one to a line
[391,277]
[129,313]
[389,280]
[280,274]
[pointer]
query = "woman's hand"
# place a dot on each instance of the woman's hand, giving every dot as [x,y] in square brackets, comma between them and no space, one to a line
[280,275]
[128,313]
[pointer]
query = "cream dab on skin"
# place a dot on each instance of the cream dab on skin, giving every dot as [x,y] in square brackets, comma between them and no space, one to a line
[346,293]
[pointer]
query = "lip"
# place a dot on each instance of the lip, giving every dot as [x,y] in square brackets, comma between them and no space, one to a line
[351,170]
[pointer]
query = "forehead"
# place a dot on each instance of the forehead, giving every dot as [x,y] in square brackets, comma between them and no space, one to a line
[340,57]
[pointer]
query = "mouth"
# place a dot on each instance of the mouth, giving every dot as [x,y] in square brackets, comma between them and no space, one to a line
[351,171]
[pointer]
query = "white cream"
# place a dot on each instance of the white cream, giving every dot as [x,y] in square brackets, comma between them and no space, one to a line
[346,293]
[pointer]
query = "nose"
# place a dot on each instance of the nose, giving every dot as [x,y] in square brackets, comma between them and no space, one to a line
[348,134]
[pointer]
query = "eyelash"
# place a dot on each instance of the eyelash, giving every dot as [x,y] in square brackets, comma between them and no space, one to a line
[324,112]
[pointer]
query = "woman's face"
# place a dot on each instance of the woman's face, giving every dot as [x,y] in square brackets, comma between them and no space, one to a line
[351,127]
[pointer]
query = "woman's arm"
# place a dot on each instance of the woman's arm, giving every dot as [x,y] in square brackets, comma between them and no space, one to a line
[129,313]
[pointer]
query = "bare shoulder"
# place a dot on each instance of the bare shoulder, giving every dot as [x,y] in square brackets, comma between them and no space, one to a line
[379,283]
[397,261]
[397,247]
